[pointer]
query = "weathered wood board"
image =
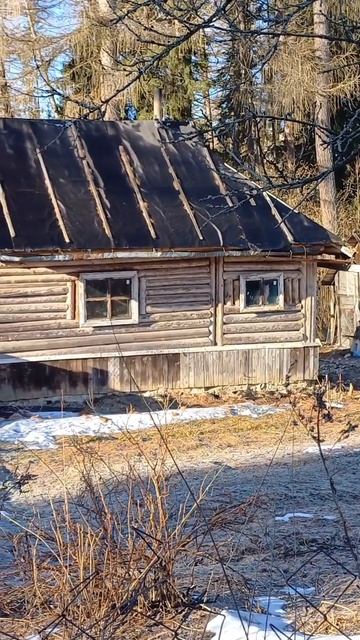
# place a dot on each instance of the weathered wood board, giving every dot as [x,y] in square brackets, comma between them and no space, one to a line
[202,369]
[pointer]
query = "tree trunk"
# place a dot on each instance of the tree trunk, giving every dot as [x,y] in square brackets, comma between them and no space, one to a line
[323,148]
[5,101]
[289,141]
[109,74]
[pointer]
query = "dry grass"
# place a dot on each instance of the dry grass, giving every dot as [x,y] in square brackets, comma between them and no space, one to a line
[335,611]
[195,441]
[117,557]
[120,519]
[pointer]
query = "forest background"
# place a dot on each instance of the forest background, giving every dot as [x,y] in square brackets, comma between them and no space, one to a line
[273,84]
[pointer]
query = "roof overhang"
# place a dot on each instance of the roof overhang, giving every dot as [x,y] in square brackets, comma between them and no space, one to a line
[56,257]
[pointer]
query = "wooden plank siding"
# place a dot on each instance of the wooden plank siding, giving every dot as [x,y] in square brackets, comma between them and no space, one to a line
[86,376]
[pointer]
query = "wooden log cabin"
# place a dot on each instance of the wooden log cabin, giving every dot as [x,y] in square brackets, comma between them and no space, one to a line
[131,258]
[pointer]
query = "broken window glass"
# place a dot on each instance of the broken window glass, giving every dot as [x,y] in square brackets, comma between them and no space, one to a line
[271,291]
[253,293]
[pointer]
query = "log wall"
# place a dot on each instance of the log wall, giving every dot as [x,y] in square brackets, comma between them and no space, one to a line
[294,323]
[39,310]
[189,312]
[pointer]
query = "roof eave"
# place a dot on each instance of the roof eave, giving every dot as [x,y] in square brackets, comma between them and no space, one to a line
[58,256]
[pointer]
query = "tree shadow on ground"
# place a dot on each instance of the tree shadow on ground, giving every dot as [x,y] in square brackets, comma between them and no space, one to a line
[244,509]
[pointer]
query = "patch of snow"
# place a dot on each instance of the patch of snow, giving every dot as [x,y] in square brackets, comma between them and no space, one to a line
[324,447]
[38,432]
[334,405]
[298,591]
[248,625]
[296,514]
[300,514]
[272,625]
[47,415]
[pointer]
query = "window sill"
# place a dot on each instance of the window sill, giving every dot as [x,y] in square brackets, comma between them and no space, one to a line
[262,308]
[109,323]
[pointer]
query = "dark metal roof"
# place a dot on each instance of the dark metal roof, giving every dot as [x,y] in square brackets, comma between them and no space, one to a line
[134,185]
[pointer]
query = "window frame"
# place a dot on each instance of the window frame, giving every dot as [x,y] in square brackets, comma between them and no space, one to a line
[261,275]
[107,322]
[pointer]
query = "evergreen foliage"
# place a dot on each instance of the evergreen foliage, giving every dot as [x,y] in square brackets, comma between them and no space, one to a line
[252,73]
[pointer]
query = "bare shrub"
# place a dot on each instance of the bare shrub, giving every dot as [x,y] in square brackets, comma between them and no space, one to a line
[117,555]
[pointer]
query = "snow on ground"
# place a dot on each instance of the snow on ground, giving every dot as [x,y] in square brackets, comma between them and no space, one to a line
[271,625]
[40,431]
[303,591]
[300,514]
[324,447]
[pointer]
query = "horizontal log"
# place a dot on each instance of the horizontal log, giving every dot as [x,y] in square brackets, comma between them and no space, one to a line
[243,272]
[78,332]
[38,326]
[255,338]
[19,271]
[184,306]
[111,348]
[263,327]
[32,308]
[135,264]
[101,338]
[265,316]
[232,262]
[178,289]
[169,280]
[179,299]
[179,324]
[179,315]
[66,274]
[33,290]
[31,317]
[49,301]
[235,310]
[172,270]
[151,272]
[26,278]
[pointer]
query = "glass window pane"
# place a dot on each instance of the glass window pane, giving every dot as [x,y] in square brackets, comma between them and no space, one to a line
[120,308]
[120,287]
[96,309]
[271,291]
[96,288]
[253,293]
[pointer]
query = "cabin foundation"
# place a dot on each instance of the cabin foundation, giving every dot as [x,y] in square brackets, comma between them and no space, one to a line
[87,377]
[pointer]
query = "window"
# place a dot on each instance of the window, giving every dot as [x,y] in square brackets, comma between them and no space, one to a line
[261,291]
[109,298]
